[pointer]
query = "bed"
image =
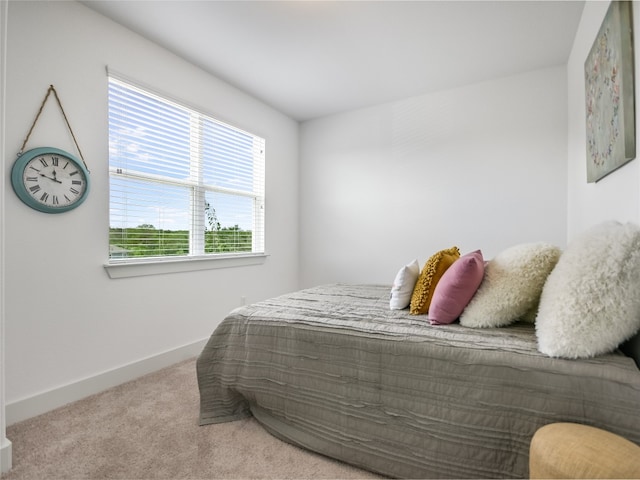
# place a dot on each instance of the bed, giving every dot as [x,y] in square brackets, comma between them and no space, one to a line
[332,369]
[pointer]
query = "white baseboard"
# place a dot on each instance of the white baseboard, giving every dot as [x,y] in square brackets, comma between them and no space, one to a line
[5,455]
[52,399]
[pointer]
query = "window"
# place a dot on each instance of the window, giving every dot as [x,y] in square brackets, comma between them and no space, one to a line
[182,184]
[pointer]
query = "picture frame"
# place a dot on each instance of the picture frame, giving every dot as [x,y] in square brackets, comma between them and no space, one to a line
[609,94]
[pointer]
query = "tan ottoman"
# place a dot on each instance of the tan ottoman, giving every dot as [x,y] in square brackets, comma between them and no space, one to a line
[569,450]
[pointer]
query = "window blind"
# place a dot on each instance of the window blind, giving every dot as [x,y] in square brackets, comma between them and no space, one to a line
[181,182]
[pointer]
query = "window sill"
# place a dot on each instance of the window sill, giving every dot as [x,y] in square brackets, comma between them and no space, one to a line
[140,268]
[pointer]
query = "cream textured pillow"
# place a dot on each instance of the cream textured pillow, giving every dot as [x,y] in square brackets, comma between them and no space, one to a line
[403,285]
[530,315]
[512,284]
[591,301]
[431,273]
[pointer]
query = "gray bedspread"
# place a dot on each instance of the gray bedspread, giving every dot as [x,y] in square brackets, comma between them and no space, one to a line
[332,369]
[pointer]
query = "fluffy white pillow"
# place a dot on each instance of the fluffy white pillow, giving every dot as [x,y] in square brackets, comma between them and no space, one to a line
[512,284]
[591,301]
[403,286]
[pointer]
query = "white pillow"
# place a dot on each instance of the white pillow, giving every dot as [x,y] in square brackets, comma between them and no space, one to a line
[403,286]
[591,301]
[511,286]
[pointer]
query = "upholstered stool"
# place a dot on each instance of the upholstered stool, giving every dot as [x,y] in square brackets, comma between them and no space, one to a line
[569,450]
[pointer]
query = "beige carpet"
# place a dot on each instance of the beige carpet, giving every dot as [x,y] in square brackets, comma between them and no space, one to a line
[149,429]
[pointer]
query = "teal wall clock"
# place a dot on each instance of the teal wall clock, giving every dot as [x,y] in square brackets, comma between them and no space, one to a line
[50,180]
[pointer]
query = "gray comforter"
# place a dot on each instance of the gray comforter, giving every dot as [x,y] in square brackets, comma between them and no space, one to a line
[332,369]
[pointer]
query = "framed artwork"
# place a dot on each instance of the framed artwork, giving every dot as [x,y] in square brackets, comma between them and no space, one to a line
[609,94]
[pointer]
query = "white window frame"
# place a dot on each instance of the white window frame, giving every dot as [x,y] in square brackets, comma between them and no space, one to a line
[196,259]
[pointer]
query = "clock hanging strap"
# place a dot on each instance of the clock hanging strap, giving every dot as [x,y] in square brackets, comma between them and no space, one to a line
[52,89]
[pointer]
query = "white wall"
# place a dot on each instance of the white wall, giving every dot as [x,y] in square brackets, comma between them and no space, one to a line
[5,444]
[66,320]
[616,196]
[482,167]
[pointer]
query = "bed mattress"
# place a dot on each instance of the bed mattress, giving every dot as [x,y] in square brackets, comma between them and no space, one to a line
[334,370]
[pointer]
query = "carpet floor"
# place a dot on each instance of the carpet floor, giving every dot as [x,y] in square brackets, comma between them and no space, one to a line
[148,429]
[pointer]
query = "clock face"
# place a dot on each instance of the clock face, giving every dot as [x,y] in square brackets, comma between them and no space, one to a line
[50,180]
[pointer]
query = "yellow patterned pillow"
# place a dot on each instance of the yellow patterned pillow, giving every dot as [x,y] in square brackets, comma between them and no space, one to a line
[429,277]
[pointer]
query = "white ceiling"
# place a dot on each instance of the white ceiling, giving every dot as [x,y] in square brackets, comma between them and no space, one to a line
[313,58]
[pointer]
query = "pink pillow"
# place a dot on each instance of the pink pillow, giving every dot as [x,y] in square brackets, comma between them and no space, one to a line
[456,288]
